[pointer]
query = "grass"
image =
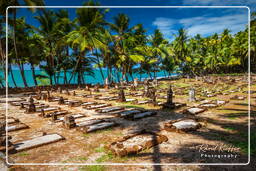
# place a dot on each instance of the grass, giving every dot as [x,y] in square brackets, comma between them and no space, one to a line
[104,158]
[230,129]
[23,154]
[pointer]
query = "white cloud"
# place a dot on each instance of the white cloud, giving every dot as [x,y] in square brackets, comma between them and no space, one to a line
[249,3]
[165,25]
[203,25]
[209,25]
[219,2]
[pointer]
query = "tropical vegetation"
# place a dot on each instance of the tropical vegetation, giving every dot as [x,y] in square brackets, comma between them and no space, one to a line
[69,50]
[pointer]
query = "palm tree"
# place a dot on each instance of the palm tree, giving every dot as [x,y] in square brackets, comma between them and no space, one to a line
[13,12]
[88,34]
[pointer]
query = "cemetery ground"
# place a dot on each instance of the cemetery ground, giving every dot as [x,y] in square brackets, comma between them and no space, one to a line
[223,126]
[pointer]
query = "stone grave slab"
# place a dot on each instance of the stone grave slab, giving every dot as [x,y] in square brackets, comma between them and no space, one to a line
[96,126]
[144,114]
[182,125]
[236,97]
[76,116]
[38,141]
[88,122]
[16,127]
[133,144]
[194,110]
[208,105]
[88,103]
[56,113]
[109,109]
[97,106]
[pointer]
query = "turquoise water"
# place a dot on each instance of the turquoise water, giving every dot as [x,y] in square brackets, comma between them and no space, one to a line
[88,79]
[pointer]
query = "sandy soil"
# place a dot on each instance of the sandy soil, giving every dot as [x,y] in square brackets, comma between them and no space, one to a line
[222,126]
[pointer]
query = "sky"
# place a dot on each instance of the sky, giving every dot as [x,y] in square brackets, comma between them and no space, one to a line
[205,21]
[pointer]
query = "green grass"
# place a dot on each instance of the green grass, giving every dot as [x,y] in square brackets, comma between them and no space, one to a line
[230,129]
[93,168]
[99,149]
[105,157]
[23,154]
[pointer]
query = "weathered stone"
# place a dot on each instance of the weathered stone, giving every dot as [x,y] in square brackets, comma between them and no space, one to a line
[169,104]
[192,93]
[69,121]
[121,95]
[61,101]
[182,125]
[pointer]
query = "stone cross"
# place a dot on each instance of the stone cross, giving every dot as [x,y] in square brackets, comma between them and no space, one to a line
[192,93]
[169,104]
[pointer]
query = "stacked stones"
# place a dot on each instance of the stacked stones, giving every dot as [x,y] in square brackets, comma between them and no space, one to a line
[152,93]
[69,121]
[121,95]
[31,107]
[61,101]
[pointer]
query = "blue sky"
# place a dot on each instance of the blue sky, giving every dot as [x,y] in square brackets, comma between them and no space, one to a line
[205,21]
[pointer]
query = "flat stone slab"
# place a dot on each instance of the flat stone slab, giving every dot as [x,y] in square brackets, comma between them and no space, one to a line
[206,101]
[221,102]
[57,113]
[89,122]
[97,106]
[144,114]
[103,98]
[209,105]
[194,110]
[129,113]
[133,144]
[9,100]
[130,100]
[16,127]
[96,126]
[182,125]
[238,98]
[143,102]
[109,109]
[88,103]
[76,116]
[36,142]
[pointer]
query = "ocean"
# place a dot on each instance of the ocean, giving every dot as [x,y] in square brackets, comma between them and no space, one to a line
[88,79]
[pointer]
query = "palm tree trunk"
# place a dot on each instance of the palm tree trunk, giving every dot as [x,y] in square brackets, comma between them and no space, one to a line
[65,77]
[15,50]
[10,70]
[33,73]
[98,62]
